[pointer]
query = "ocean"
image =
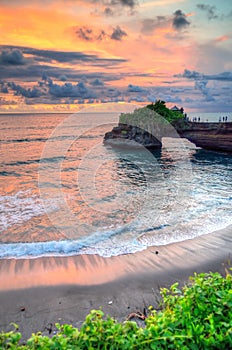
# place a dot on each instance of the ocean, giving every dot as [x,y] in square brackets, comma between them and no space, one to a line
[63,192]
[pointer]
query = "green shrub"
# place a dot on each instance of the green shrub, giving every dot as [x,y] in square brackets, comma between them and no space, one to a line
[198,316]
[160,108]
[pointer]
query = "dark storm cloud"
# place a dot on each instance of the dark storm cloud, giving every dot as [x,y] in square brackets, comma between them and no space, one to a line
[180,20]
[210,10]
[118,34]
[12,57]
[224,76]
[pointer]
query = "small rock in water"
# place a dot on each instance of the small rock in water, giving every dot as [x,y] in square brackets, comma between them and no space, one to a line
[22,308]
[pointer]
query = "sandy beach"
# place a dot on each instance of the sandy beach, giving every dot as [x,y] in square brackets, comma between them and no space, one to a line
[37,293]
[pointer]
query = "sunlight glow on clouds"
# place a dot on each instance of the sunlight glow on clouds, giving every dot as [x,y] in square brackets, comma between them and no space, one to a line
[73,51]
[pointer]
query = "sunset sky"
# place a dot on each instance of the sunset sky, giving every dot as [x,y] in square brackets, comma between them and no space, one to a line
[64,52]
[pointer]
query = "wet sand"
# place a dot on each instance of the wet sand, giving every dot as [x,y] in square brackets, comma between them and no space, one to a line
[36,293]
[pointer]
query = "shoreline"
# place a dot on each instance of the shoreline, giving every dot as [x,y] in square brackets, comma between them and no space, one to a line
[35,293]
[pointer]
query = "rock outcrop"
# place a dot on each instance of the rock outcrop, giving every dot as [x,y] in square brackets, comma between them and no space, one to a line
[211,136]
[130,135]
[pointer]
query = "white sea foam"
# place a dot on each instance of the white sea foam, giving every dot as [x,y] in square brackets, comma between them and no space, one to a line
[106,243]
[21,207]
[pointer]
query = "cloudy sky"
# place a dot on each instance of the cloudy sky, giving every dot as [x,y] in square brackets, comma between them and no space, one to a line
[64,52]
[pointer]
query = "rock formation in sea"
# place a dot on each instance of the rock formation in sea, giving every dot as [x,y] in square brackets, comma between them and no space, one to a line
[147,126]
[124,135]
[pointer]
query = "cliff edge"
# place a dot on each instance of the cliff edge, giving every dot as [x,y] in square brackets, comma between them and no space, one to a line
[210,136]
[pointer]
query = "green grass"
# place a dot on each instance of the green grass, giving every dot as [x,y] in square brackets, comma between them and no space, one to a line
[197,316]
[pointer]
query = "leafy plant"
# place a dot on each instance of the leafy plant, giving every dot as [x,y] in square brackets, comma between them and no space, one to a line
[198,316]
[160,108]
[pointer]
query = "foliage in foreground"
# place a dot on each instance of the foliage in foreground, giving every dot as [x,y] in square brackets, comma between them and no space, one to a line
[198,316]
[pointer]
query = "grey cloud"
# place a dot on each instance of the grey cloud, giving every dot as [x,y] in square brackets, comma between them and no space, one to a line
[174,99]
[108,11]
[63,78]
[201,82]
[118,34]
[189,74]
[137,99]
[180,20]
[35,72]
[129,3]
[113,3]
[97,82]
[29,93]
[112,93]
[60,56]
[115,7]
[88,34]
[34,68]
[210,10]
[69,90]
[12,57]
[177,90]
[135,88]
[224,76]
[85,33]
[3,87]
[150,24]
[201,85]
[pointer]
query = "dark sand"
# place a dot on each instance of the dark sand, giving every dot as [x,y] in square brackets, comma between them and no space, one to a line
[36,293]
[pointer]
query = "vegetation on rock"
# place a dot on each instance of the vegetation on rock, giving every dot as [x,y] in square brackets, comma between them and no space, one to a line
[170,115]
[154,114]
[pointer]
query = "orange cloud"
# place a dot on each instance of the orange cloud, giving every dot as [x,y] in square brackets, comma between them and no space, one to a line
[222,38]
[39,27]
[53,27]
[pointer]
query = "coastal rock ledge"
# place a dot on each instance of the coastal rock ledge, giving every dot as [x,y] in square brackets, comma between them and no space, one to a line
[210,136]
[130,135]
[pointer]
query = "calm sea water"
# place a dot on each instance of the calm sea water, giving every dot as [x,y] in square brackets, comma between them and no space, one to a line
[63,192]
